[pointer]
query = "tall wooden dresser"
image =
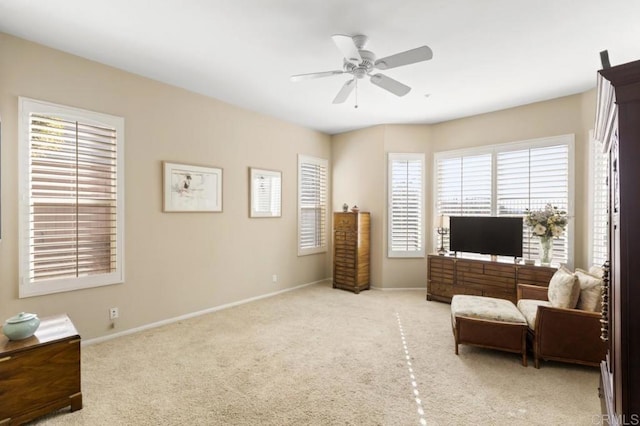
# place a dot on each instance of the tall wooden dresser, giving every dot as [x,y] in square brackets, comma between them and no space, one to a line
[618,126]
[351,237]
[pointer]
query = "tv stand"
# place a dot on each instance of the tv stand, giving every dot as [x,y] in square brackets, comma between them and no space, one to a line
[447,276]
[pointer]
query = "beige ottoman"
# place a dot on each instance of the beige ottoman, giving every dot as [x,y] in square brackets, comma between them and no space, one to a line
[489,323]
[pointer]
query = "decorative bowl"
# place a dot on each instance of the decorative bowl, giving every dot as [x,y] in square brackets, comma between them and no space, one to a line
[21,326]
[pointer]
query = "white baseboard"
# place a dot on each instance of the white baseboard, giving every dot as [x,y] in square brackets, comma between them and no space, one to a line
[399,289]
[192,315]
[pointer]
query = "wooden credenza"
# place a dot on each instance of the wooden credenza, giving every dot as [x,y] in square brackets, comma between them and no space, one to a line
[40,374]
[351,238]
[447,276]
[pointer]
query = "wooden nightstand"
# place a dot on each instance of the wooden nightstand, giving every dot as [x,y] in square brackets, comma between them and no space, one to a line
[40,374]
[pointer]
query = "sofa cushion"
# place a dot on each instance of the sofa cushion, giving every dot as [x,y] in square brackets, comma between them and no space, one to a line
[564,289]
[529,309]
[487,308]
[590,291]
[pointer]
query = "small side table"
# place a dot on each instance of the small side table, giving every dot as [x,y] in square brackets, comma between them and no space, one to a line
[40,374]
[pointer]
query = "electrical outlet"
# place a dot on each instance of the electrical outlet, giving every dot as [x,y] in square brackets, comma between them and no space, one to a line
[113,313]
[274,278]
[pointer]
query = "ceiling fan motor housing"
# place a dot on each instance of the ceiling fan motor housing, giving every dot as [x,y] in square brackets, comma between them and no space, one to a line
[364,67]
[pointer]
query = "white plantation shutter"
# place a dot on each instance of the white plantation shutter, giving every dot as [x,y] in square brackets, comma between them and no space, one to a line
[406,205]
[529,179]
[463,185]
[70,222]
[312,205]
[504,180]
[598,204]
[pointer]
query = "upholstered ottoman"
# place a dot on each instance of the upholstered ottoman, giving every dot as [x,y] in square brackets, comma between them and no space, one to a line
[489,323]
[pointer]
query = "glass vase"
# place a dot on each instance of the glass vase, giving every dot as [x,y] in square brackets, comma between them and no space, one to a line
[545,250]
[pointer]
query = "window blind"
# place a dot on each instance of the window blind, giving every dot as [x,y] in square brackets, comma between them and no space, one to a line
[463,187]
[505,180]
[598,205]
[529,179]
[312,204]
[72,227]
[406,188]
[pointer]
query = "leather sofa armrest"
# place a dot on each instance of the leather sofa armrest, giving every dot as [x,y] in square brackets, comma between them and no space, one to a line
[536,292]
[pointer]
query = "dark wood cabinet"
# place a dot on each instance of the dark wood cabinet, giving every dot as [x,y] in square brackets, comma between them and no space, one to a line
[40,374]
[351,239]
[618,126]
[448,276]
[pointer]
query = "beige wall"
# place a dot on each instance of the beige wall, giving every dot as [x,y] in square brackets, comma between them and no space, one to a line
[567,115]
[175,263]
[181,263]
[358,178]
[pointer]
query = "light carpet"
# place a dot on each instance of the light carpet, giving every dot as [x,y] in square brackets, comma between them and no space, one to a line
[321,356]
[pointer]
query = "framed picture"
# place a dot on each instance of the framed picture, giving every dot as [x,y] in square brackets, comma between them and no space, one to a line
[265,193]
[188,188]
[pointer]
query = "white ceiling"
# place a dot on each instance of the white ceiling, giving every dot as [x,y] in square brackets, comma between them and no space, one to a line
[487,55]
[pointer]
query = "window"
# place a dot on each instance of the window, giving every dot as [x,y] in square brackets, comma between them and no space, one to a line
[405,201]
[598,170]
[505,180]
[312,205]
[72,209]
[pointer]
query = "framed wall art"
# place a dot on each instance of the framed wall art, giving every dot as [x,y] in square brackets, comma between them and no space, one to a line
[190,188]
[265,193]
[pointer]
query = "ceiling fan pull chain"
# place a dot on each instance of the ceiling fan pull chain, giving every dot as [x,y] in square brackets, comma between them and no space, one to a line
[356,105]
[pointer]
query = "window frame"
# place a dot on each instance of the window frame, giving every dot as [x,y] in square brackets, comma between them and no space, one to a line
[26,107]
[391,157]
[596,184]
[323,247]
[493,149]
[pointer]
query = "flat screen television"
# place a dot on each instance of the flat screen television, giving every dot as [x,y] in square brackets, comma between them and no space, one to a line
[501,236]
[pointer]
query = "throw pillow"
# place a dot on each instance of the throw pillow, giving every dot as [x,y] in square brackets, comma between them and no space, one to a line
[597,271]
[564,290]
[590,291]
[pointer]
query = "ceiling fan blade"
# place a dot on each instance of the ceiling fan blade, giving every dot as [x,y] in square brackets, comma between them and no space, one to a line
[346,90]
[347,46]
[300,77]
[412,56]
[389,84]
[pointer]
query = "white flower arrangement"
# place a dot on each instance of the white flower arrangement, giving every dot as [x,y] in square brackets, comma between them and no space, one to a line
[548,222]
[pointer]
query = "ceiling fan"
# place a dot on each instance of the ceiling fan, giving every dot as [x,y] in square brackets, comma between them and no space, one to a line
[360,63]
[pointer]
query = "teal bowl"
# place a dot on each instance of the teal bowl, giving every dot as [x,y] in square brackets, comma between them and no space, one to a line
[22,326]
